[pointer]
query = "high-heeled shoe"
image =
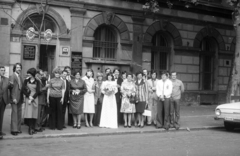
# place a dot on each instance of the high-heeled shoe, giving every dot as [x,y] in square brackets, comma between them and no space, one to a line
[75,126]
[86,125]
[79,126]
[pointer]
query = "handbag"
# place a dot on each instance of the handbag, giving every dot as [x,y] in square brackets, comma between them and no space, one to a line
[147,113]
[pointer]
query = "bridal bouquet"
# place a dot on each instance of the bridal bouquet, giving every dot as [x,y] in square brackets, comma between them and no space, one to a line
[109,89]
[75,92]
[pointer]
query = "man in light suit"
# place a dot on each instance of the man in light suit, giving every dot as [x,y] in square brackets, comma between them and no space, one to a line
[16,97]
[4,98]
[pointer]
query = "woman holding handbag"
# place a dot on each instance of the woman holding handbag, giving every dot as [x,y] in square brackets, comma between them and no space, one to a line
[128,91]
[31,89]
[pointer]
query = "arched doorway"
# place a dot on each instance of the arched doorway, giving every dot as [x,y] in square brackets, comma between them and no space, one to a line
[45,57]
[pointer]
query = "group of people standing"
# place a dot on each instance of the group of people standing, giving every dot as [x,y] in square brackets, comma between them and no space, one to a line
[108,101]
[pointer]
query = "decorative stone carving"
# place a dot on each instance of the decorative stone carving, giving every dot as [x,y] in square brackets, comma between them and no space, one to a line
[108,17]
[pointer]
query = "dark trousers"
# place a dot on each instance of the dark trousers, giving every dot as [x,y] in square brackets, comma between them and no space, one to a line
[16,117]
[163,111]
[120,115]
[55,118]
[30,122]
[70,117]
[64,107]
[175,112]
[42,116]
[2,109]
[97,116]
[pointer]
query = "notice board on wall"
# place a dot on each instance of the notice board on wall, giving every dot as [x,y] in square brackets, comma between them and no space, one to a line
[76,61]
[29,52]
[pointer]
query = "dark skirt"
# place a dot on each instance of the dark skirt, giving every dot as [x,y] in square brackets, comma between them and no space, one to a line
[76,104]
[140,107]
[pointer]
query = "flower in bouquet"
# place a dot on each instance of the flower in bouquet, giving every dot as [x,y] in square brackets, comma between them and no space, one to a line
[109,89]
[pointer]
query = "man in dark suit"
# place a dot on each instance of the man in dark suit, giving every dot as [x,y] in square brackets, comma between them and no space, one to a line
[16,99]
[118,95]
[66,95]
[4,98]
[107,71]
[69,77]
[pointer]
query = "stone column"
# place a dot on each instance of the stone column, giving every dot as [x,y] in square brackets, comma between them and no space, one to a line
[77,28]
[137,43]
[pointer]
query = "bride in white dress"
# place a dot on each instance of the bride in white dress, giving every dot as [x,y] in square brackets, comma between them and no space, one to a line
[109,106]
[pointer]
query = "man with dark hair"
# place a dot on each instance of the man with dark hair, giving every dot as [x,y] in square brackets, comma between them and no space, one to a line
[42,114]
[69,77]
[4,100]
[16,97]
[118,95]
[178,89]
[107,71]
[66,95]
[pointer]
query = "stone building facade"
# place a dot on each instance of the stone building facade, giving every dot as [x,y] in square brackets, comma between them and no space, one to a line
[114,33]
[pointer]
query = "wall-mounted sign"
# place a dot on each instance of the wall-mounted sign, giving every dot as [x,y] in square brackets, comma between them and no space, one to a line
[29,52]
[48,35]
[76,61]
[65,51]
[30,34]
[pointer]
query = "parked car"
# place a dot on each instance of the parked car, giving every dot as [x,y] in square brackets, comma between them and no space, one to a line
[230,114]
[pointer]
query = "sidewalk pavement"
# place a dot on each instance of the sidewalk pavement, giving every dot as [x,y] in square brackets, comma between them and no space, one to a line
[191,118]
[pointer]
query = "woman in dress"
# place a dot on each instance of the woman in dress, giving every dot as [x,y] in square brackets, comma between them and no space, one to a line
[128,91]
[98,98]
[109,105]
[77,90]
[31,89]
[142,99]
[55,99]
[88,104]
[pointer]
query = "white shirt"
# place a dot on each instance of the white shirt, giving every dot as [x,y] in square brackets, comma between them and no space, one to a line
[164,88]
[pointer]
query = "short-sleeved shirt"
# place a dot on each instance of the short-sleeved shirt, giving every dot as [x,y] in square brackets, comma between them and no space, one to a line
[178,88]
[56,85]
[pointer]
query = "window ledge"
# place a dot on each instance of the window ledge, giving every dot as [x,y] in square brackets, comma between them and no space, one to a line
[100,61]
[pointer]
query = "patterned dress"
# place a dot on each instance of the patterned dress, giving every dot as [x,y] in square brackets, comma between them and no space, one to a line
[142,95]
[128,89]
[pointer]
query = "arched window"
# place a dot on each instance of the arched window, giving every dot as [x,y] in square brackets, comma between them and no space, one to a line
[105,43]
[160,52]
[36,20]
[207,59]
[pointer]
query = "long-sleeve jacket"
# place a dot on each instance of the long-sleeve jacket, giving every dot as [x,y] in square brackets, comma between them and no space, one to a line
[164,88]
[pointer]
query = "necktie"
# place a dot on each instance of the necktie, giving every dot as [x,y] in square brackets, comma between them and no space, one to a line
[19,82]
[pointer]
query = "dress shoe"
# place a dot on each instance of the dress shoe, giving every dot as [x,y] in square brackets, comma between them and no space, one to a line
[79,126]
[1,137]
[64,127]
[14,133]
[1,133]
[38,130]
[19,132]
[129,126]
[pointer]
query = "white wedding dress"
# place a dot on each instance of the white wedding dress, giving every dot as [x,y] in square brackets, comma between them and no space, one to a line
[109,108]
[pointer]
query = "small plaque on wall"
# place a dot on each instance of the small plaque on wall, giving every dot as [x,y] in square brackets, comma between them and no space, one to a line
[65,51]
[29,52]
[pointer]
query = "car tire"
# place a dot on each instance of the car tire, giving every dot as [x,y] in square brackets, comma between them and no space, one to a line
[229,126]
